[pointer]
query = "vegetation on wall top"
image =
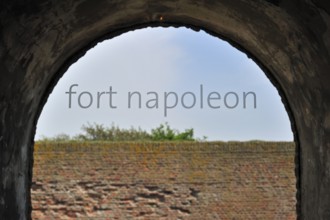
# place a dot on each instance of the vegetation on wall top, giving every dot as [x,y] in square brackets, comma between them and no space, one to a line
[99,132]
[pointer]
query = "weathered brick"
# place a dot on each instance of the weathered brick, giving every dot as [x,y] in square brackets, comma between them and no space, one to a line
[165,181]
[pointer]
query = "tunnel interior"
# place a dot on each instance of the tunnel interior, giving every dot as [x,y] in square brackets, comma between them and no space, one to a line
[289,40]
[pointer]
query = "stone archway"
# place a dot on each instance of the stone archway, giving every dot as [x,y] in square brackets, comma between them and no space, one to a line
[288,39]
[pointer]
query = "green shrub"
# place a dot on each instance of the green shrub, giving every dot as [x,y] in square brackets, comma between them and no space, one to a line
[98,132]
[165,133]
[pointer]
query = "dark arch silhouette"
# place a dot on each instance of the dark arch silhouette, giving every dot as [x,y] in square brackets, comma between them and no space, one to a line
[288,39]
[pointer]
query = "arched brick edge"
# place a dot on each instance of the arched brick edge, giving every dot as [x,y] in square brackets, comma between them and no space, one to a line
[289,39]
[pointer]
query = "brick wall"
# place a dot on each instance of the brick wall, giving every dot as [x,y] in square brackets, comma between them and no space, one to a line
[164,181]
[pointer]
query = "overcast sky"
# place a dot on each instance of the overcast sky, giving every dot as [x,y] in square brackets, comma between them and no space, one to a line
[172,64]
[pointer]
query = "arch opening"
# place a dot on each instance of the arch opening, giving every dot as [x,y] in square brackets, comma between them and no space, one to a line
[81,104]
